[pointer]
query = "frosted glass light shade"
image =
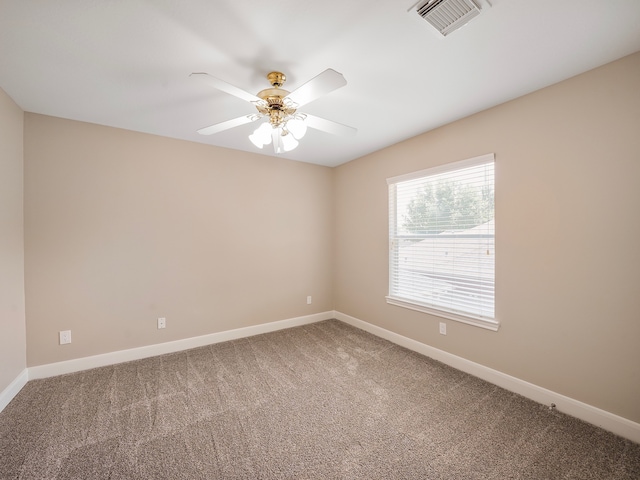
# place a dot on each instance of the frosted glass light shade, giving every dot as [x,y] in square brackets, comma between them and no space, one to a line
[288,142]
[261,136]
[283,140]
[297,128]
[256,140]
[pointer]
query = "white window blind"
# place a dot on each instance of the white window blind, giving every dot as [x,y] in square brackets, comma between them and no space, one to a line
[442,241]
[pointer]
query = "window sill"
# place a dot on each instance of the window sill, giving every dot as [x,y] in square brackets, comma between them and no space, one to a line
[487,324]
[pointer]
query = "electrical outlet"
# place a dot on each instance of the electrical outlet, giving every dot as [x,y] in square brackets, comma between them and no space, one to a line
[65,337]
[443,328]
[309,300]
[162,322]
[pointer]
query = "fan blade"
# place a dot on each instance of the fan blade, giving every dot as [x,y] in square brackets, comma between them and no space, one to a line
[219,127]
[320,85]
[329,126]
[226,87]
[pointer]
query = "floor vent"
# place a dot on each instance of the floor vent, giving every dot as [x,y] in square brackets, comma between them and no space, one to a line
[448,15]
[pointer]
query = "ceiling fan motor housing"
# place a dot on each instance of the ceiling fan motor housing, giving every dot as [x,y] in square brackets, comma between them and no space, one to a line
[275,106]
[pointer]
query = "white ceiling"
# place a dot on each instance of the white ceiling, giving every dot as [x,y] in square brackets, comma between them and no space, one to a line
[126,63]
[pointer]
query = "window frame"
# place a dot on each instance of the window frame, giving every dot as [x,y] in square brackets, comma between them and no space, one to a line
[398,300]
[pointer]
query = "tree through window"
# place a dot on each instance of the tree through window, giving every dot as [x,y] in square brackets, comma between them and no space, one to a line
[442,241]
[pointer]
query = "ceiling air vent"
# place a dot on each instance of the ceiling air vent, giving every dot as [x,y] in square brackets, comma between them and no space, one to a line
[448,15]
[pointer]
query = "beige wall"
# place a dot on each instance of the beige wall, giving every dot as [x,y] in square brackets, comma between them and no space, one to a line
[122,228]
[567,237]
[12,316]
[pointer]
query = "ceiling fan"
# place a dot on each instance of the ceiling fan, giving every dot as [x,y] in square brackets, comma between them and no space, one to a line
[285,125]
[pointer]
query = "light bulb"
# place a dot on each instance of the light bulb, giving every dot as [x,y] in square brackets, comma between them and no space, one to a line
[297,128]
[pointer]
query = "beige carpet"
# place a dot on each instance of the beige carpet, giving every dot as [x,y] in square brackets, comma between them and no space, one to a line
[320,401]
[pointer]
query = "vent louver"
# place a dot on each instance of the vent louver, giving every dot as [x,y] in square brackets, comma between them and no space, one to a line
[448,15]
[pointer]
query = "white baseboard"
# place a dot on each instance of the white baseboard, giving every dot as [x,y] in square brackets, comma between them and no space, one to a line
[111,358]
[14,387]
[595,416]
[601,418]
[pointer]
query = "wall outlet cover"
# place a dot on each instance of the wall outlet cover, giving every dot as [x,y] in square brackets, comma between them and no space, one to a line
[65,337]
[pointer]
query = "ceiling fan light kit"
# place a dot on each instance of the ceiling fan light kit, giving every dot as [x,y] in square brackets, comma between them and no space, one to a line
[286,125]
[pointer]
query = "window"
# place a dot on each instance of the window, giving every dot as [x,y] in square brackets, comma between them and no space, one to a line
[442,241]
